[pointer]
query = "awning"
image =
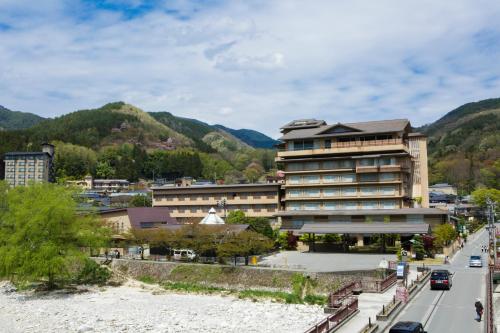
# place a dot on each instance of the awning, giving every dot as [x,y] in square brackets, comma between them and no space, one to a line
[366,228]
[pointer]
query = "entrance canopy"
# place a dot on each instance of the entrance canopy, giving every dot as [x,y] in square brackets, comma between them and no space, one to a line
[364,228]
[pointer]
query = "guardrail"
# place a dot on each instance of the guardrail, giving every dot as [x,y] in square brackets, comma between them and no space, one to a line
[335,320]
[335,298]
[489,316]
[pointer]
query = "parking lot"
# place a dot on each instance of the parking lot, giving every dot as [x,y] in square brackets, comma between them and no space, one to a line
[324,262]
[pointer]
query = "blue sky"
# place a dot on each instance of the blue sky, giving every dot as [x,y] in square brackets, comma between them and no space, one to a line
[252,64]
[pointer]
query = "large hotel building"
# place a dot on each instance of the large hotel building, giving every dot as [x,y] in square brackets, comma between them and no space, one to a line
[21,168]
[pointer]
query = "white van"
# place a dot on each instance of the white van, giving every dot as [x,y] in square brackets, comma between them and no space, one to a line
[184,254]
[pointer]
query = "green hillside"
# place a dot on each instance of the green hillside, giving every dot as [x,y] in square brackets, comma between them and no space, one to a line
[251,137]
[464,146]
[13,120]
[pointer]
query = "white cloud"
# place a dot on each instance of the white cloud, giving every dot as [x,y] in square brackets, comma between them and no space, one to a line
[253,64]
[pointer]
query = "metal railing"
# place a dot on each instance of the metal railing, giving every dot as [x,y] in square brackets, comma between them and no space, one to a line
[489,315]
[347,144]
[334,320]
[335,298]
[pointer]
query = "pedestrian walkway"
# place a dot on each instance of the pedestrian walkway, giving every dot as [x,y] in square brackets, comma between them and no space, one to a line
[369,304]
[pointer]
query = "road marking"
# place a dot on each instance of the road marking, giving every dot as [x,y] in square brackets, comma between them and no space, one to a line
[432,310]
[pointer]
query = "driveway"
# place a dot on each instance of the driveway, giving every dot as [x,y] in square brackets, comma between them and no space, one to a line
[324,262]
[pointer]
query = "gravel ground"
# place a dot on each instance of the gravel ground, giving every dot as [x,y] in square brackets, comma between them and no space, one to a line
[135,307]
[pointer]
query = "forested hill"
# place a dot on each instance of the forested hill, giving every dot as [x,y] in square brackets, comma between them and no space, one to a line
[250,137]
[120,140]
[464,146]
[12,120]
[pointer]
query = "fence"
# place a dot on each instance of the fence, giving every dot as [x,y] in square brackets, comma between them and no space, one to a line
[335,299]
[379,286]
[489,316]
[334,320]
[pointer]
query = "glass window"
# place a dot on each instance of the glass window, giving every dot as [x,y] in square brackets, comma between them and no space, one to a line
[350,205]
[368,190]
[311,206]
[328,144]
[294,180]
[369,205]
[368,177]
[311,179]
[387,176]
[332,205]
[293,206]
[388,190]
[312,193]
[367,162]
[295,166]
[389,204]
[294,193]
[331,179]
[329,165]
[312,166]
[347,164]
[349,191]
[331,192]
[387,161]
[348,178]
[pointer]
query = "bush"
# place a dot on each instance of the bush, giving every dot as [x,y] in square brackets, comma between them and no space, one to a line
[93,273]
[146,279]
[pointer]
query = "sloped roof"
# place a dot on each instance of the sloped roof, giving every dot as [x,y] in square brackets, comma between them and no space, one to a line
[212,218]
[368,127]
[139,215]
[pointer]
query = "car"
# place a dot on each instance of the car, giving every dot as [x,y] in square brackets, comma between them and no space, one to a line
[184,254]
[407,327]
[441,279]
[475,261]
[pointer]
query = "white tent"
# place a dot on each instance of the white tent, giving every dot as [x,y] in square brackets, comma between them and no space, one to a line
[212,218]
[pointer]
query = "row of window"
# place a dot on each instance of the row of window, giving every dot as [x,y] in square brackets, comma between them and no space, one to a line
[194,197]
[23,163]
[22,176]
[341,178]
[24,170]
[341,164]
[348,205]
[342,191]
[327,143]
[255,208]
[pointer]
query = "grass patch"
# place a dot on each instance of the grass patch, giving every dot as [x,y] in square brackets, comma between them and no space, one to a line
[315,299]
[192,287]
[146,279]
[196,273]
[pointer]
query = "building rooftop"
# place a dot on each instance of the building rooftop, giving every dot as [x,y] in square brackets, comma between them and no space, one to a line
[22,153]
[140,215]
[354,212]
[212,186]
[365,228]
[342,129]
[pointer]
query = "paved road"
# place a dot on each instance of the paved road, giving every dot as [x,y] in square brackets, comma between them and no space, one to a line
[453,311]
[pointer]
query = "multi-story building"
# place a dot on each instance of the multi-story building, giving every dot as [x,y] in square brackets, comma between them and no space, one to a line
[189,204]
[109,185]
[354,172]
[21,168]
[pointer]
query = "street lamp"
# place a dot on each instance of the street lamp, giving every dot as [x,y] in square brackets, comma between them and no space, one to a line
[222,204]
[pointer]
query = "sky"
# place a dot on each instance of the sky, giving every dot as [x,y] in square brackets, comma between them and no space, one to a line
[251,64]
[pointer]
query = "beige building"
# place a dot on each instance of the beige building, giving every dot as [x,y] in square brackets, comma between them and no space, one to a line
[21,168]
[122,220]
[354,172]
[189,204]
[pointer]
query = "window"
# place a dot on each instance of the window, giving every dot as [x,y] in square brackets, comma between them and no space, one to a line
[294,167]
[331,179]
[311,179]
[328,144]
[332,205]
[368,177]
[369,205]
[294,180]
[293,206]
[312,193]
[328,165]
[311,206]
[367,191]
[349,191]
[367,162]
[21,169]
[331,192]
[347,164]
[350,205]
[388,190]
[303,144]
[387,161]
[294,193]
[389,204]
[387,176]
[312,166]
[348,178]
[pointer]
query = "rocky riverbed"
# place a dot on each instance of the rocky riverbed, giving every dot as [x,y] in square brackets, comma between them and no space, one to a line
[136,307]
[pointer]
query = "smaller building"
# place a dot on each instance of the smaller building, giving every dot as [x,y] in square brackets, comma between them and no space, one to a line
[110,185]
[443,188]
[122,220]
[21,168]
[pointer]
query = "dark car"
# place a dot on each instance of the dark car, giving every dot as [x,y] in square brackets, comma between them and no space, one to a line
[441,279]
[407,327]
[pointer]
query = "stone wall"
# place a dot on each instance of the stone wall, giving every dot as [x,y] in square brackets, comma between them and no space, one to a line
[236,277]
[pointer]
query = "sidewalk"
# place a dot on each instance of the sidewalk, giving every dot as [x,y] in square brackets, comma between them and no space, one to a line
[369,304]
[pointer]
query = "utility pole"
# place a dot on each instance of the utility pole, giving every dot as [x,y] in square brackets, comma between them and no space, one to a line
[491,230]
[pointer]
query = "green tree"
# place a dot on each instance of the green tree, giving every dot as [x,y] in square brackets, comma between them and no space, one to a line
[418,247]
[260,225]
[444,234]
[141,201]
[105,170]
[41,236]
[236,217]
[480,196]
[73,161]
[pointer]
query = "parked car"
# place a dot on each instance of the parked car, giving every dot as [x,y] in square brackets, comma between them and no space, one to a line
[441,279]
[184,254]
[407,327]
[475,261]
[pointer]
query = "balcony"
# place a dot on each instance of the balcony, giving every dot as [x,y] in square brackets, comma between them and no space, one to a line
[367,169]
[346,147]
